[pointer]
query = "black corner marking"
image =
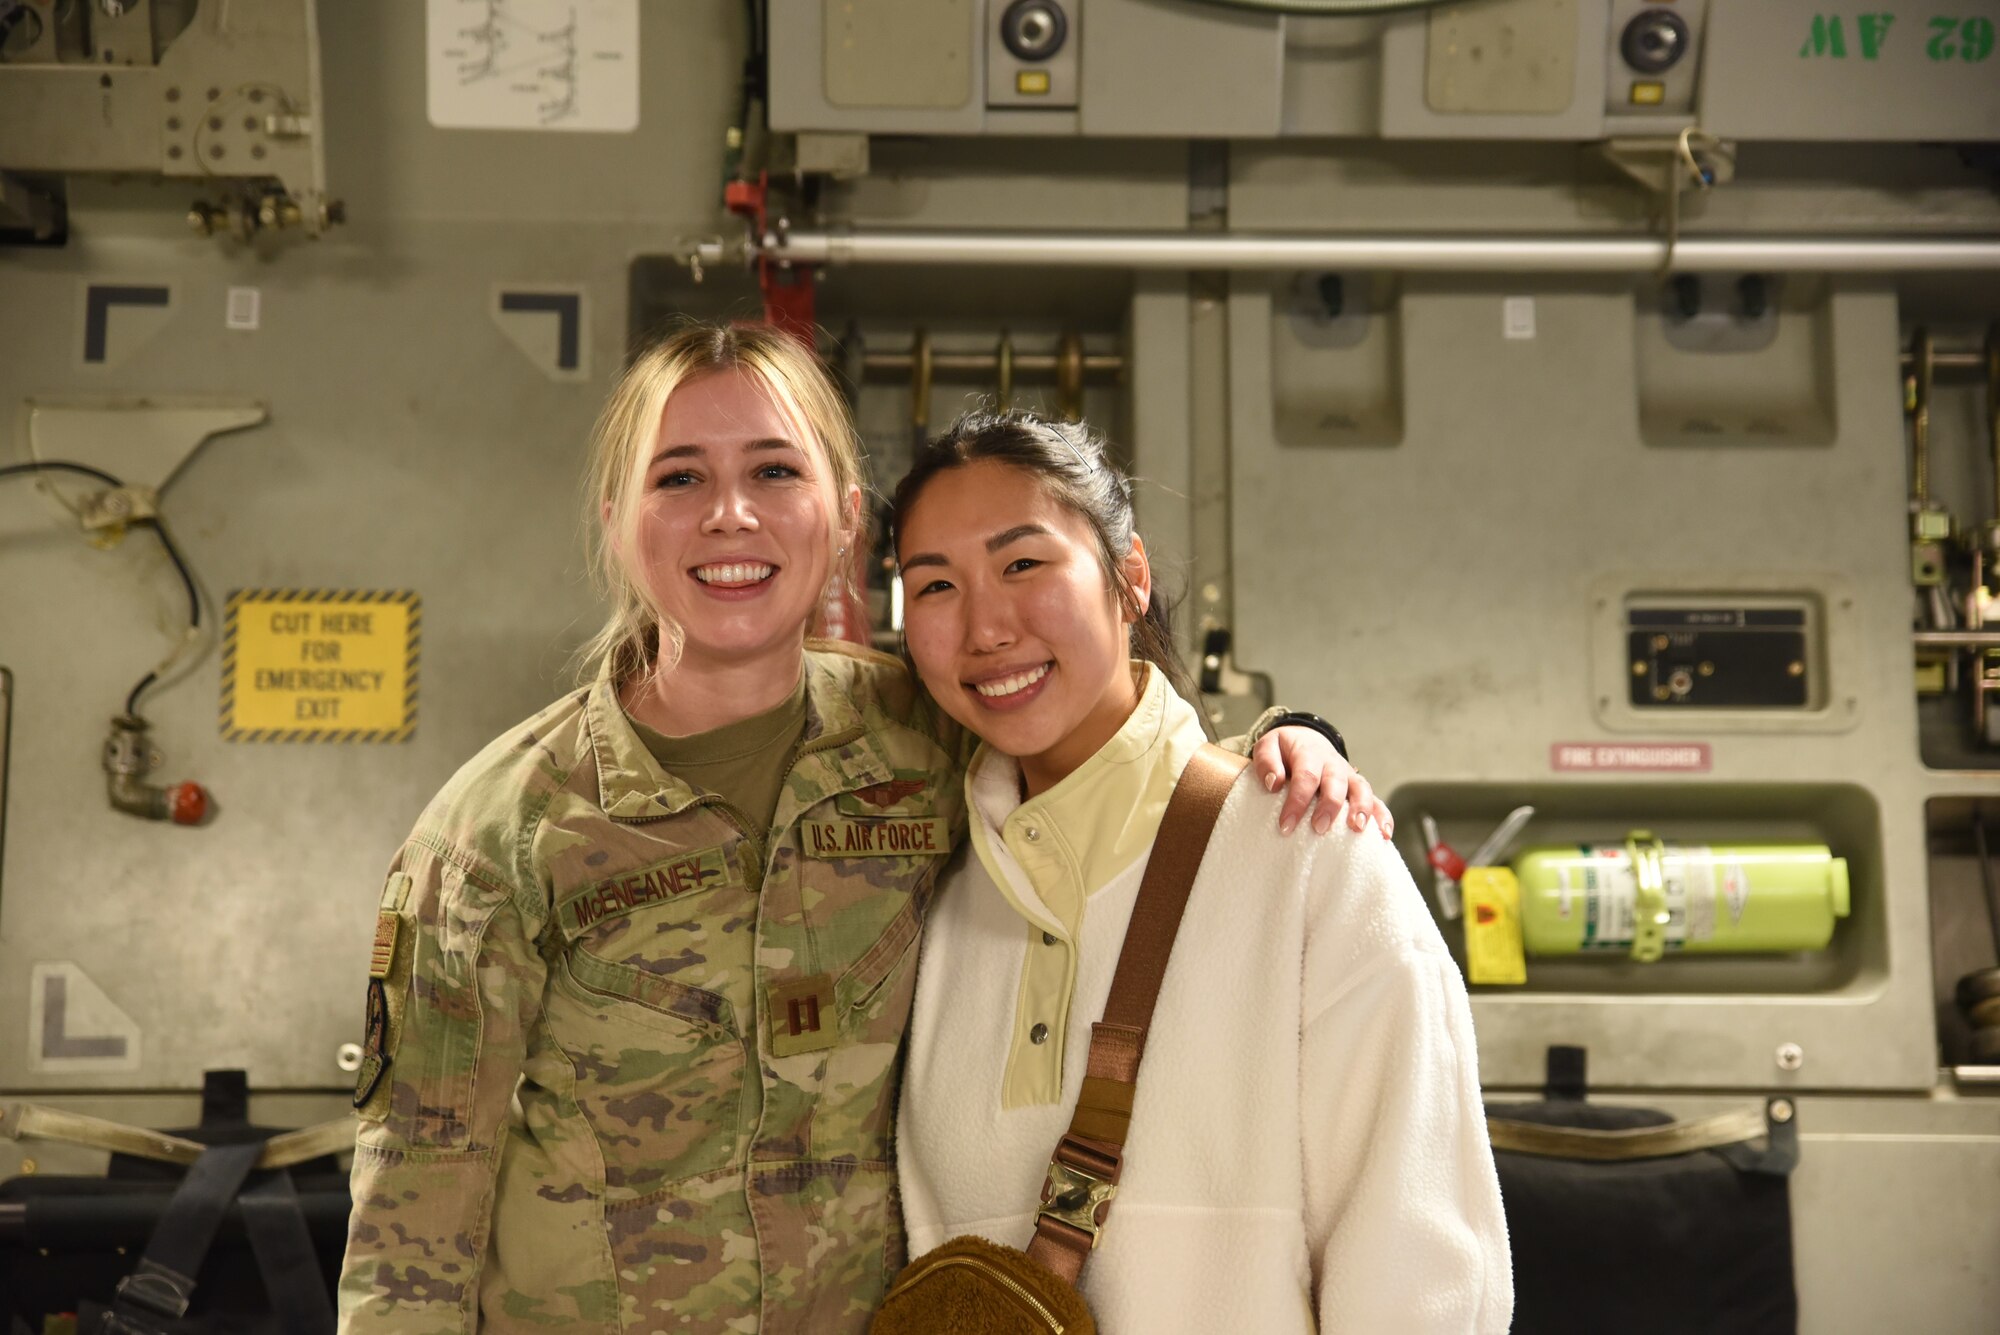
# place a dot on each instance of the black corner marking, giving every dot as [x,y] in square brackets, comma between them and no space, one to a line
[97,312]
[567,307]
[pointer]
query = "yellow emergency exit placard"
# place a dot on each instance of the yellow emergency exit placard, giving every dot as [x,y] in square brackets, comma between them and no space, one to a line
[319,665]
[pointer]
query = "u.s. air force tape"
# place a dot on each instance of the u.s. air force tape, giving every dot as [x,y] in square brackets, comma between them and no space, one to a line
[918,837]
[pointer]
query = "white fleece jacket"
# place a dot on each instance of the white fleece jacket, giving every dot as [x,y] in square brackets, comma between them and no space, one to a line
[1307,1149]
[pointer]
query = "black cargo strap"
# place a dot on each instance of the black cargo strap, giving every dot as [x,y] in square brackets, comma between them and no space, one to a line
[1567,1079]
[160,1288]
[285,1257]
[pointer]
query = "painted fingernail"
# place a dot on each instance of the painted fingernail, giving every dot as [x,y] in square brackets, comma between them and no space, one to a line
[1272,783]
[1321,824]
[1286,824]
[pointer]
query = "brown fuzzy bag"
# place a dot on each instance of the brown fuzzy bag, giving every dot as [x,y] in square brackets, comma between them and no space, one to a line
[970,1286]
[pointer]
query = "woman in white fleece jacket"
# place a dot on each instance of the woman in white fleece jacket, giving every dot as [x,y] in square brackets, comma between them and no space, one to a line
[1308,1150]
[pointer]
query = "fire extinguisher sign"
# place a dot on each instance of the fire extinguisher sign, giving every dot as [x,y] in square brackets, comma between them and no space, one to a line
[1632,757]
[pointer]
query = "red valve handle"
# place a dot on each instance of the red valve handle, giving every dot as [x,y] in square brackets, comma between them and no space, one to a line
[187,803]
[1445,860]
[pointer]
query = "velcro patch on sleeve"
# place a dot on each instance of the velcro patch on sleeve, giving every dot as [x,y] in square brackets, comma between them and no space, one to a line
[395,892]
[676,878]
[917,837]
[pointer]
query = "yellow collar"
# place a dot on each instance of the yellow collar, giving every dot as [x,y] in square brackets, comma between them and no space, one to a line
[1050,853]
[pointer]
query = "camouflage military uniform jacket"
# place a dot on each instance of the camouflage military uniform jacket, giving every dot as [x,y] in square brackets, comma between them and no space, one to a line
[632,1066]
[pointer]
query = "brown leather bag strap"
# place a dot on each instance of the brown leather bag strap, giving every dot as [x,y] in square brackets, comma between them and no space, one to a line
[1084,1171]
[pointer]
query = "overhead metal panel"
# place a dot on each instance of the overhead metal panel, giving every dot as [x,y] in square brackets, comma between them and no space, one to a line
[1800,70]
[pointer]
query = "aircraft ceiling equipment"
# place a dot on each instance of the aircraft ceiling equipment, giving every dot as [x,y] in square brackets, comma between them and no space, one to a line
[224,96]
[1954,566]
[1551,70]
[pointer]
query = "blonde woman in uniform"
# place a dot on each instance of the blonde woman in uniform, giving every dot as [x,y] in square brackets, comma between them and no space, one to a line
[642,970]
[1307,1149]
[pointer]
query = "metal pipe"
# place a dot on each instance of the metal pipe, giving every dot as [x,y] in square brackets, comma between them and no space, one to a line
[1948,361]
[990,363]
[1992,360]
[1956,639]
[1920,419]
[1432,254]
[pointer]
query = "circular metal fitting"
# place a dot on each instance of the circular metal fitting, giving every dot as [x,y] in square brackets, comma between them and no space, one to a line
[348,1057]
[128,751]
[1655,41]
[1781,1110]
[112,9]
[1034,29]
[23,29]
[1790,1056]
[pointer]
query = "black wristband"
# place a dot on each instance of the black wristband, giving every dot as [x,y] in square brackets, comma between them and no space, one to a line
[1299,719]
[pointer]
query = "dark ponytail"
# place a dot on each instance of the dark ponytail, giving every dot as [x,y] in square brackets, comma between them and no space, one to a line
[1069,459]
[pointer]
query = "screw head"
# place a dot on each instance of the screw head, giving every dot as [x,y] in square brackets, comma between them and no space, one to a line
[1790,1056]
[348,1057]
[1781,1110]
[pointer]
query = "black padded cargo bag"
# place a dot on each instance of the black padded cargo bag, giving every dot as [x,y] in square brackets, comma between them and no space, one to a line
[259,1247]
[1654,1244]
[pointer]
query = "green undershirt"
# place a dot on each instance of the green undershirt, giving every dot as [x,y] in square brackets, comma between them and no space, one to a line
[744,763]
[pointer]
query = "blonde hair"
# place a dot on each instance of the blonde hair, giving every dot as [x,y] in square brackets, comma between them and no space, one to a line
[638,637]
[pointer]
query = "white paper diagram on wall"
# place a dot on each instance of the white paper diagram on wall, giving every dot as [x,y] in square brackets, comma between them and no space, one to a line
[74,1026]
[533,64]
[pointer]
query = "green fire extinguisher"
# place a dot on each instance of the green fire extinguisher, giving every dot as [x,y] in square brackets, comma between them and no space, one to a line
[1645,898]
